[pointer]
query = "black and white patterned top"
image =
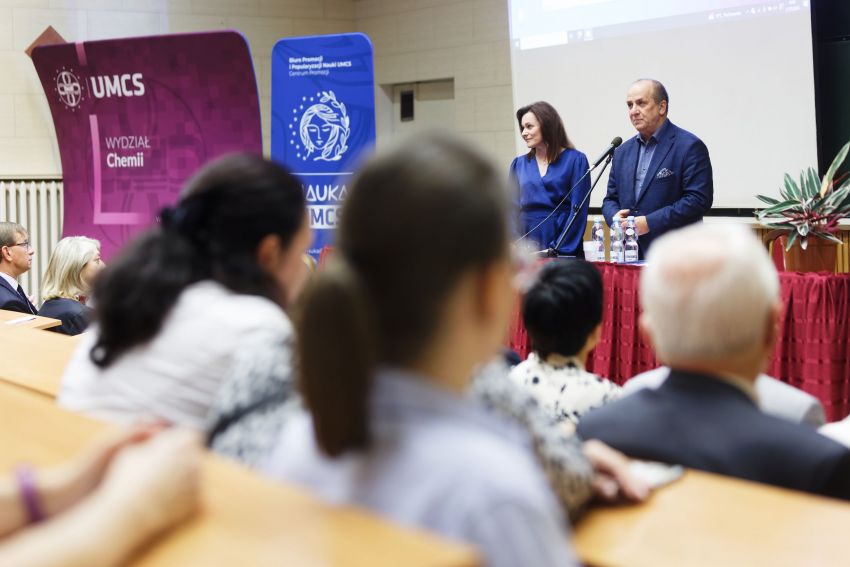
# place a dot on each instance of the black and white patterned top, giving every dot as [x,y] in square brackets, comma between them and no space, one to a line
[557,448]
[254,403]
[565,391]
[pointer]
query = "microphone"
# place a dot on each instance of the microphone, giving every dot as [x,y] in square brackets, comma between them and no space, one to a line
[611,147]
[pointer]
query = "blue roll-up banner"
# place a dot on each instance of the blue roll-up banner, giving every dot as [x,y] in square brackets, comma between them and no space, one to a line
[323,118]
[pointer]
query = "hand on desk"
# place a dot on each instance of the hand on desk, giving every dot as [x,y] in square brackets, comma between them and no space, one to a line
[126,489]
[155,484]
[613,478]
[64,485]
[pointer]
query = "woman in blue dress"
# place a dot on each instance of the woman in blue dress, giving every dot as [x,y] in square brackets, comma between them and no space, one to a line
[544,176]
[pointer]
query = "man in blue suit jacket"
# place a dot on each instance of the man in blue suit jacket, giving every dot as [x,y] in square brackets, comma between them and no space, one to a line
[15,260]
[662,176]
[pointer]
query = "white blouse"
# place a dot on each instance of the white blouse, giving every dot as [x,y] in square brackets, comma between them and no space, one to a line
[565,391]
[177,374]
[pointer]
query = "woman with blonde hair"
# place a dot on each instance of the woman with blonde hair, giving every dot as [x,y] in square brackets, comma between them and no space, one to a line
[71,271]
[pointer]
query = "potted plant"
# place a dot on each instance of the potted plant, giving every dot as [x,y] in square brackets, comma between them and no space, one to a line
[809,208]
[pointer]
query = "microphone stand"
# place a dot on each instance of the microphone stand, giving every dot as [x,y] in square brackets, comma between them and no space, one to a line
[553,251]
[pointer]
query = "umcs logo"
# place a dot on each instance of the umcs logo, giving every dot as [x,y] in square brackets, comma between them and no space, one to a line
[71,87]
[68,88]
[106,86]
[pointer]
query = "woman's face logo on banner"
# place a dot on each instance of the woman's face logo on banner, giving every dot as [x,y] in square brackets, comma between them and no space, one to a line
[323,130]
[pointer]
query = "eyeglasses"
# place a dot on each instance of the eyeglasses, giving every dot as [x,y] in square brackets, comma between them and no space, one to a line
[25,244]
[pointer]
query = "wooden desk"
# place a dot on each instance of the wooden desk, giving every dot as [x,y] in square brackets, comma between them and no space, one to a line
[35,322]
[36,359]
[709,520]
[244,520]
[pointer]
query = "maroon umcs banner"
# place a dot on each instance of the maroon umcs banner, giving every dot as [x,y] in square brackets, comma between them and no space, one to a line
[136,117]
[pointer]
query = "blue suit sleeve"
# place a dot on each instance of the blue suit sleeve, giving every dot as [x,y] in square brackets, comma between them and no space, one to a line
[697,193]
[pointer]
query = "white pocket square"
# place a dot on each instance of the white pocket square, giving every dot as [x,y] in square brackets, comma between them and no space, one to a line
[664,173]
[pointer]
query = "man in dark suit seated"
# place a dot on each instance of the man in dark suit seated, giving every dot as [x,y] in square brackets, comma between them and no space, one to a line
[711,305]
[15,260]
[662,176]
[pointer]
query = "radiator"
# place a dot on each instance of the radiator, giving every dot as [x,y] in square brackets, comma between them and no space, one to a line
[37,205]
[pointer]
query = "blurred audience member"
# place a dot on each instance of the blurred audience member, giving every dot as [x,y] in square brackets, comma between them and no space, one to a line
[67,283]
[774,396]
[562,312]
[16,254]
[95,510]
[180,301]
[711,308]
[417,295]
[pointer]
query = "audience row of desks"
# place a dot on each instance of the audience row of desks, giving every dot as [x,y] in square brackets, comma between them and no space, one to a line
[16,319]
[702,519]
[244,519]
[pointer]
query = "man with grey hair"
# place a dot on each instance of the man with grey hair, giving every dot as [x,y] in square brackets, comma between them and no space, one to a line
[662,176]
[15,260]
[711,306]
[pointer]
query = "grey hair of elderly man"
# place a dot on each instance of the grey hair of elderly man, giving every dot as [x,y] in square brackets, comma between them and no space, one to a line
[728,285]
[711,301]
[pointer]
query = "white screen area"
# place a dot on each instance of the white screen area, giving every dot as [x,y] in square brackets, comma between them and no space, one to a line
[738,72]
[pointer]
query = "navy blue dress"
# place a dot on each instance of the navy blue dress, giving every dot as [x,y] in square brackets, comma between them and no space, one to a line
[74,315]
[538,196]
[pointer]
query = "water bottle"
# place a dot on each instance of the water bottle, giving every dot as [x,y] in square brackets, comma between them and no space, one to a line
[617,252]
[598,238]
[631,246]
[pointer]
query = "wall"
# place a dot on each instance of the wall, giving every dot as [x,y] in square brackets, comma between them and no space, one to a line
[466,40]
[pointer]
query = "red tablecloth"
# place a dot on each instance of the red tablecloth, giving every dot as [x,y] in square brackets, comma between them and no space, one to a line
[812,351]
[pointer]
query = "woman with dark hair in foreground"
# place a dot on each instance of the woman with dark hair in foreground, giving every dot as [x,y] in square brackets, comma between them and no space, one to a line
[418,296]
[179,302]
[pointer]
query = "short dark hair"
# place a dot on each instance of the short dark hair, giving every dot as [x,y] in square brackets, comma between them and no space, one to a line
[563,307]
[551,127]
[659,92]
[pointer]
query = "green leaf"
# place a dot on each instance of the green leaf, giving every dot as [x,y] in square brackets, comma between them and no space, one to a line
[791,190]
[827,236]
[836,163]
[780,207]
[768,200]
[791,240]
[835,199]
[813,184]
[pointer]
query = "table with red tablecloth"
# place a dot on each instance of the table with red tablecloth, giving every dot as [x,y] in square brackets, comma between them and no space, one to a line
[812,351]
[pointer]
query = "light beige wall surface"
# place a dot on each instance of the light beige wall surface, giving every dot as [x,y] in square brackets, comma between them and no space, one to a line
[466,40]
